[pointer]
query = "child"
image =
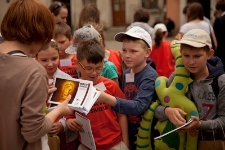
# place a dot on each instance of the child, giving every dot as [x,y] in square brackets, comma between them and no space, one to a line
[197,57]
[25,28]
[109,129]
[161,53]
[87,32]
[63,37]
[59,11]
[138,81]
[48,57]
[111,55]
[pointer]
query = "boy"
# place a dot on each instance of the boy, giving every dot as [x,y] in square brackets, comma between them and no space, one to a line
[138,80]
[197,57]
[63,37]
[109,129]
[88,32]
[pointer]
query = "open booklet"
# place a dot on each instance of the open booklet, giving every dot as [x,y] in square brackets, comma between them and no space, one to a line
[159,137]
[83,94]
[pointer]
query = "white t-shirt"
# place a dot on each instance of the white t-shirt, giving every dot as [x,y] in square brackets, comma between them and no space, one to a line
[196,25]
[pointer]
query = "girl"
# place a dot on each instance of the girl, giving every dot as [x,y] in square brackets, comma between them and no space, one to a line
[48,57]
[161,52]
[59,11]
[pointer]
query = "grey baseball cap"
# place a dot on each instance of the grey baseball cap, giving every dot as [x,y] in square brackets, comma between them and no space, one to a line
[87,32]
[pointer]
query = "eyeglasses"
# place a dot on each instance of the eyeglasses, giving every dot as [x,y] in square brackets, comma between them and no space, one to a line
[90,70]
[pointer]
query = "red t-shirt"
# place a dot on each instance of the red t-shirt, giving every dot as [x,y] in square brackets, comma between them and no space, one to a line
[104,122]
[115,58]
[71,70]
[163,59]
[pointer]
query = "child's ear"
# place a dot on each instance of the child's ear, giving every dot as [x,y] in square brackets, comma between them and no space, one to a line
[148,52]
[210,53]
[101,40]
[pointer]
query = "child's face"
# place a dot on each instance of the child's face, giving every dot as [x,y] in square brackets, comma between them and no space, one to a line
[49,59]
[134,55]
[89,71]
[62,16]
[195,60]
[63,43]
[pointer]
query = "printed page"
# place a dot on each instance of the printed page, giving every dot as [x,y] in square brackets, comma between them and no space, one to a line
[78,89]
[86,137]
[91,101]
[159,137]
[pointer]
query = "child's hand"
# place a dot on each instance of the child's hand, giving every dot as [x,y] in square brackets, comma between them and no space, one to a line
[175,115]
[74,125]
[195,125]
[56,128]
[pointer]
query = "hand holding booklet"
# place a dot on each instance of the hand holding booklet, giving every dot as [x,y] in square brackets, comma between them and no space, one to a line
[83,93]
[159,137]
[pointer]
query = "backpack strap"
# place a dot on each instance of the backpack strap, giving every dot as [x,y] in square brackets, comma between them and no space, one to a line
[215,86]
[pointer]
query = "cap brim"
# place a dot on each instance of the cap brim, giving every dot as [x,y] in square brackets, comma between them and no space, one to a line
[71,50]
[119,36]
[191,43]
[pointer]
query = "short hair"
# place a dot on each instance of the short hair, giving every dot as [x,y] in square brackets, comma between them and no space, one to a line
[56,6]
[91,50]
[28,21]
[128,38]
[89,13]
[195,11]
[141,15]
[220,5]
[205,48]
[63,28]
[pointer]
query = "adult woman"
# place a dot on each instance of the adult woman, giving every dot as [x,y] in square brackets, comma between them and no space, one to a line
[195,18]
[26,27]
[59,11]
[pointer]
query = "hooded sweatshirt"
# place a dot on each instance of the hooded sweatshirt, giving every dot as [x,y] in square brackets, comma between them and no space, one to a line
[211,108]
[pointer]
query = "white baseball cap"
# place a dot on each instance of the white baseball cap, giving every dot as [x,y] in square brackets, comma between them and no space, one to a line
[136,32]
[160,26]
[196,38]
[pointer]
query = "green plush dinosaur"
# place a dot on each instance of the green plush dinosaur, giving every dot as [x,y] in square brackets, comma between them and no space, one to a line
[172,96]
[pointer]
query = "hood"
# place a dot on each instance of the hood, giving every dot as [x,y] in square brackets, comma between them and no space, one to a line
[215,67]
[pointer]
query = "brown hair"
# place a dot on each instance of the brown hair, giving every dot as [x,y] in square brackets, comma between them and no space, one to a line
[56,6]
[158,37]
[205,48]
[64,29]
[128,38]
[220,5]
[91,50]
[28,21]
[89,13]
[141,15]
[51,44]
[195,11]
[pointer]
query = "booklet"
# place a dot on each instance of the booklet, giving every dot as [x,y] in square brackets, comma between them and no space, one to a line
[83,93]
[86,137]
[159,137]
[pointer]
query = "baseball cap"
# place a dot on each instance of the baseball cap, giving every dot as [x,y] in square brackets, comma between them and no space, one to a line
[160,26]
[136,32]
[87,32]
[196,38]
